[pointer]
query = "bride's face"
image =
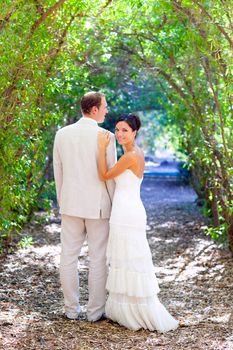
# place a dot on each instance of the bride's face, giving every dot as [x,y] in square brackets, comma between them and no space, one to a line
[124,133]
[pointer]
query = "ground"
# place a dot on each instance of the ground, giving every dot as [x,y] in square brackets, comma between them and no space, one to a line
[195,277]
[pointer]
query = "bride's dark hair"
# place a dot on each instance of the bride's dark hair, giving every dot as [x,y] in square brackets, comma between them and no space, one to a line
[131,119]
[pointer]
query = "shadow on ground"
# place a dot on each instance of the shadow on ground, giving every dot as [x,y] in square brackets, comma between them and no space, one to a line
[195,277]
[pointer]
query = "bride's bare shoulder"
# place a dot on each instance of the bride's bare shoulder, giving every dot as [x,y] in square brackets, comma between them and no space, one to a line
[138,152]
[136,156]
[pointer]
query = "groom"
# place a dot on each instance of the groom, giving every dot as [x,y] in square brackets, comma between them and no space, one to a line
[85,205]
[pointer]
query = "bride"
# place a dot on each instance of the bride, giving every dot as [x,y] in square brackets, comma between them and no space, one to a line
[131,283]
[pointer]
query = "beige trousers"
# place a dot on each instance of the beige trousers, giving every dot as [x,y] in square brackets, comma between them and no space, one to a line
[74,231]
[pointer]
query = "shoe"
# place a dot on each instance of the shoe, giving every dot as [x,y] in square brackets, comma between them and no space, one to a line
[74,314]
[103,317]
[77,318]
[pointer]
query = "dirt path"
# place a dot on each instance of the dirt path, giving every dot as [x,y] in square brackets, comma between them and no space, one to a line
[195,278]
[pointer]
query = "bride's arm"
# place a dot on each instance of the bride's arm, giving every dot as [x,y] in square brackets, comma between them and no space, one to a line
[125,162]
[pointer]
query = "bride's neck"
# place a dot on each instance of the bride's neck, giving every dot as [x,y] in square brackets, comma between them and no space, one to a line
[129,148]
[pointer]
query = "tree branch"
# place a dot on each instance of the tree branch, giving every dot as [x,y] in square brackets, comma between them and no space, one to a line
[205,64]
[220,28]
[44,15]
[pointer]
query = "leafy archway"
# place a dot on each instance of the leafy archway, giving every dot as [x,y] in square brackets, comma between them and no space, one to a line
[169,55]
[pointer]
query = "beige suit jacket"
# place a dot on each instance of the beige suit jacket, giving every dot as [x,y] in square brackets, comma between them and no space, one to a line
[80,192]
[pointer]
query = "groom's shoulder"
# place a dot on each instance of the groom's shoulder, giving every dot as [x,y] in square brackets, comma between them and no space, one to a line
[103,129]
[65,129]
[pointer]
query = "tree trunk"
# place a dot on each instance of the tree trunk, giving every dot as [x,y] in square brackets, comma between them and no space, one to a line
[230,235]
[214,208]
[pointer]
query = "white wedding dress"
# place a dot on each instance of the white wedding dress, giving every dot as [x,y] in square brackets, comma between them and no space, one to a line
[131,283]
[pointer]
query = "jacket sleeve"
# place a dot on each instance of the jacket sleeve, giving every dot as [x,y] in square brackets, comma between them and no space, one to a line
[111,160]
[57,169]
[111,152]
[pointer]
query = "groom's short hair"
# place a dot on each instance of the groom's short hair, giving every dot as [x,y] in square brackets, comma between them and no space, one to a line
[89,100]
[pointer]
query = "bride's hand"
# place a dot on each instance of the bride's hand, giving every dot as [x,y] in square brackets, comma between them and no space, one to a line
[103,138]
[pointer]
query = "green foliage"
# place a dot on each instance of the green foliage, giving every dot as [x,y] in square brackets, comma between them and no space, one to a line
[32,38]
[217,233]
[171,61]
[25,242]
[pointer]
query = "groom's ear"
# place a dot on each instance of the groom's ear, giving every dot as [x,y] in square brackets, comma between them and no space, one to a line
[94,110]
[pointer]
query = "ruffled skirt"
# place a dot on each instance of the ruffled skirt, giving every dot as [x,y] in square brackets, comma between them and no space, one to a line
[132,284]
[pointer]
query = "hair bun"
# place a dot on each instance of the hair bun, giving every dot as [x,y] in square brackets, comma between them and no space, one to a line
[136,120]
[132,120]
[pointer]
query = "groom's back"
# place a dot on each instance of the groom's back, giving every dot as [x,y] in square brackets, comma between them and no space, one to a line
[82,193]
